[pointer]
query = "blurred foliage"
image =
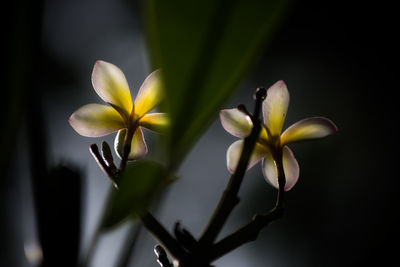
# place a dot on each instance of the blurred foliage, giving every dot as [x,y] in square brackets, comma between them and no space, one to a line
[204,48]
[138,184]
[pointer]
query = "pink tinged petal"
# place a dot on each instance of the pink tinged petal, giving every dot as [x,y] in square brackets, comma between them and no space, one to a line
[290,166]
[158,122]
[270,171]
[150,94]
[310,128]
[95,120]
[275,107]
[235,150]
[236,122]
[110,84]
[138,145]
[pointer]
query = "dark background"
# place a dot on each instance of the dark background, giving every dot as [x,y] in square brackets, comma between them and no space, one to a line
[339,60]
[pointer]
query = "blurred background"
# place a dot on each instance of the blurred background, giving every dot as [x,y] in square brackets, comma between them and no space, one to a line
[338,60]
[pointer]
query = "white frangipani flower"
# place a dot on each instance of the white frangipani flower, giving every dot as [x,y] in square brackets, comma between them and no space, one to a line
[270,141]
[95,120]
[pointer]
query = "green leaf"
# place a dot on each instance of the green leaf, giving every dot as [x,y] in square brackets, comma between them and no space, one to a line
[204,48]
[138,184]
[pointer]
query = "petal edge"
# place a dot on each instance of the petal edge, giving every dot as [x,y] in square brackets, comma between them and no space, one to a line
[150,94]
[235,150]
[290,166]
[158,122]
[236,122]
[275,107]
[110,84]
[138,144]
[310,128]
[96,120]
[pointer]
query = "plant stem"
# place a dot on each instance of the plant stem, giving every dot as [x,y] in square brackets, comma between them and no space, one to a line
[100,161]
[162,257]
[127,144]
[163,236]
[250,231]
[229,198]
[247,233]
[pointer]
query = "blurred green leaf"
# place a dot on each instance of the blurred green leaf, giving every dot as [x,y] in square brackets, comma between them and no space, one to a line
[204,48]
[138,184]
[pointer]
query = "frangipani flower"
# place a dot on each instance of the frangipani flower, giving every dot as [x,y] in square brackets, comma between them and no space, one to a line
[121,114]
[270,141]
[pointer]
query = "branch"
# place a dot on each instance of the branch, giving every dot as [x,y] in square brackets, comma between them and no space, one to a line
[229,198]
[109,171]
[247,233]
[162,257]
[250,231]
[163,236]
[127,145]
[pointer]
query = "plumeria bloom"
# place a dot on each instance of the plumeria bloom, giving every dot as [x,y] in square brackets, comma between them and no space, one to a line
[121,114]
[270,141]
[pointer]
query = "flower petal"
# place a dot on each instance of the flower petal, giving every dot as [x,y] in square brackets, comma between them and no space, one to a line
[290,166]
[95,120]
[275,107]
[263,137]
[236,122]
[310,128]
[110,84]
[269,170]
[150,94]
[138,145]
[235,151]
[158,122]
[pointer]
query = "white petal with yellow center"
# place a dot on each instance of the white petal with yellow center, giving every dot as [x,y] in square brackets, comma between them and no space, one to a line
[138,144]
[95,120]
[235,151]
[310,128]
[290,167]
[236,122]
[275,107]
[150,94]
[158,122]
[110,84]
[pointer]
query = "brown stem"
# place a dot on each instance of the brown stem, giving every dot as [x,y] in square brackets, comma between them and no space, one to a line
[162,235]
[251,230]
[281,181]
[229,198]
[100,161]
[127,144]
[162,257]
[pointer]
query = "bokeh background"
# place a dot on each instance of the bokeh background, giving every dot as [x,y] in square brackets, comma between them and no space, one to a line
[338,60]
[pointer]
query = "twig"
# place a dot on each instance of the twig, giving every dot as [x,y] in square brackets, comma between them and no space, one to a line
[109,171]
[229,198]
[163,236]
[127,148]
[94,150]
[247,233]
[108,158]
[250,231]
[162,257]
